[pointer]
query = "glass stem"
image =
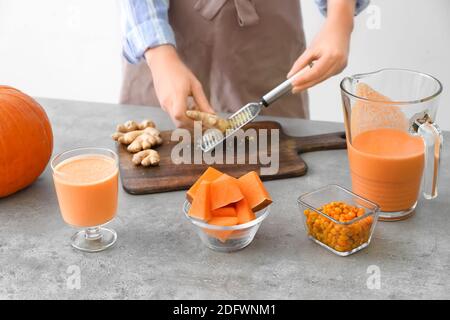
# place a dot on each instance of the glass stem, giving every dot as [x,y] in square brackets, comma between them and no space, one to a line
[93,233]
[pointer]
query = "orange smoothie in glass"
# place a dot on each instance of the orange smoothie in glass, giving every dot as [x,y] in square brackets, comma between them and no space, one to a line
[87,189]
[386,167]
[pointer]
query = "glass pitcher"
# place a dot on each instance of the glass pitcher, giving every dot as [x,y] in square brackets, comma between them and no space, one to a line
[393,143]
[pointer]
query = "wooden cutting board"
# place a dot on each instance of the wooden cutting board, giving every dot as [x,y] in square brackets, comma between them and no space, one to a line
[169,176]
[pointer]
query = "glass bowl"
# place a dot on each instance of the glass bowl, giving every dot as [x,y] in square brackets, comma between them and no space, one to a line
[226,239]
[341,238]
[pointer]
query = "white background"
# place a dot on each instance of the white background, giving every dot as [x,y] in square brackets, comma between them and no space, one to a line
[71,49]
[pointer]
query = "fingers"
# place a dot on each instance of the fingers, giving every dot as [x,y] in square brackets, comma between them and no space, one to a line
[177,112]
[336,67]
[312,83]
[305,59]
[200,98]
[179,104]
[322,69]
[180,120]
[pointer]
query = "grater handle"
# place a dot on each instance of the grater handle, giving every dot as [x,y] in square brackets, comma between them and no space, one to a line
[281,89]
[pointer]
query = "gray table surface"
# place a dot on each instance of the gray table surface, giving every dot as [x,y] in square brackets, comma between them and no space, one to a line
[158,255]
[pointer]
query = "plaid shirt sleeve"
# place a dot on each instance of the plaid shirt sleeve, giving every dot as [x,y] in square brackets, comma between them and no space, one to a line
[145,24]
[360,6]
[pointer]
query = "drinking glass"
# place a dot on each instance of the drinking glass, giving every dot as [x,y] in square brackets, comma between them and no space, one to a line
[86,183]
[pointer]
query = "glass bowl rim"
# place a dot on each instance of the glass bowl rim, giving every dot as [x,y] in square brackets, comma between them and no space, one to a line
[375,211]
[201,224]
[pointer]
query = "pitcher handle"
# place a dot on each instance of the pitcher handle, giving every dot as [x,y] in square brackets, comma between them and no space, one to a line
[432,136]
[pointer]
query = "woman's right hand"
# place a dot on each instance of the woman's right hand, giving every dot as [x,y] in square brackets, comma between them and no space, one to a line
[174,84]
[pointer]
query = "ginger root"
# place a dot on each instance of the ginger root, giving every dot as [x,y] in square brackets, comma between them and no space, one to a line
[138,140]
[133,125]
[208,120]
[140,137]
[146,158]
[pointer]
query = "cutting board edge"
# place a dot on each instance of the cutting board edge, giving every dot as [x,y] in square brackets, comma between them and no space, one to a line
[137,190]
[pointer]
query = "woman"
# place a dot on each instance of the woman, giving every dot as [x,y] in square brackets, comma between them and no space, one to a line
[228,53]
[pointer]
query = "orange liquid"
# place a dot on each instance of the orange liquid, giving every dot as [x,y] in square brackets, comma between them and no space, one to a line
[386,167]
[87,188]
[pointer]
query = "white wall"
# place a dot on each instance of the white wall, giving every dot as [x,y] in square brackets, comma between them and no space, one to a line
[61,49]
[71,49]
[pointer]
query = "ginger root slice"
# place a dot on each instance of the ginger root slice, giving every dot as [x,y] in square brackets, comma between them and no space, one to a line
[146,158]
[208,120]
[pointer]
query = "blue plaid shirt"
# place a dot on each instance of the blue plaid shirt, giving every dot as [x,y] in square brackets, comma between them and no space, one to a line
[146,25]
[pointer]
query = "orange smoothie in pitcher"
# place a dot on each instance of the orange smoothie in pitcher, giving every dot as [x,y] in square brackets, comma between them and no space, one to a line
[87,189]
[386,167]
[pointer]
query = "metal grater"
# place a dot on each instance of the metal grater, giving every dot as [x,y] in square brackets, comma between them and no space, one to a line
[247,113]
[236,121]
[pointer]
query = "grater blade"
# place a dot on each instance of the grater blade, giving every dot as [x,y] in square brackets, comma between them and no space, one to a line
[237,120]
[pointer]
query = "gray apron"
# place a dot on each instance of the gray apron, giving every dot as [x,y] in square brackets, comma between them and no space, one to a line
[238,50]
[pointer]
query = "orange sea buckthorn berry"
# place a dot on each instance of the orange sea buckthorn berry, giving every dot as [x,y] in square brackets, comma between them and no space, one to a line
[350,216]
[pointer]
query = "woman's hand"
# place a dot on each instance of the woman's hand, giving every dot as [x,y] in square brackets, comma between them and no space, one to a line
[330,48]
[174,84]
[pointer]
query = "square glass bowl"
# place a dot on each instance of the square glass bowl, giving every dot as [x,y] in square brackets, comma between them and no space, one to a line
[341,238]
[226,239]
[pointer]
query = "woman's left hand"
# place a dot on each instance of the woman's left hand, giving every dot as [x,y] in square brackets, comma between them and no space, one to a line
[328,52]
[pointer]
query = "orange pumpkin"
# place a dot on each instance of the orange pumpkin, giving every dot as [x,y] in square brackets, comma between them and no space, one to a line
[26,140]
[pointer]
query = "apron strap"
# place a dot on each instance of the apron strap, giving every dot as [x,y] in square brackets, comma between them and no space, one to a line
[246,11]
